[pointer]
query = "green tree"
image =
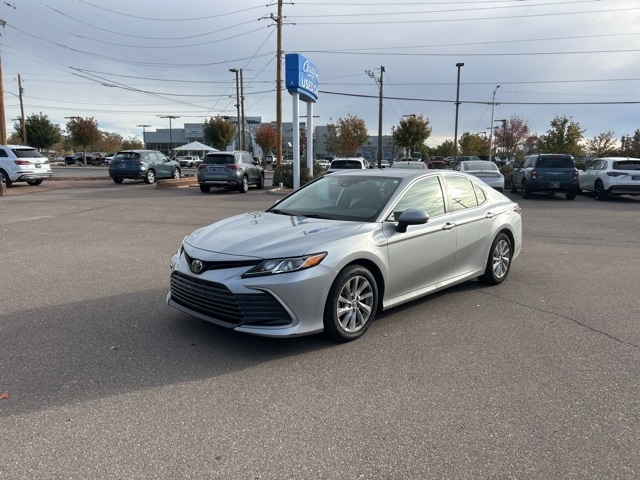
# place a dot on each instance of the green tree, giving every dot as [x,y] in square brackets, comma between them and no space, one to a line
[267,139]
[41,133]
[109,142]
[352,135]
[445,149]
[564,136]
[412,132]
[219,132]
[601,145]
[83,132]
[630,146]
[473,144]
[331,143]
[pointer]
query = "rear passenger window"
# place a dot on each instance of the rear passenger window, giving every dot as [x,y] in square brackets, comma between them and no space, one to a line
[462,195]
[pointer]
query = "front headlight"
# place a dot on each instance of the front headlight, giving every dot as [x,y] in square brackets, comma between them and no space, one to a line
[273,266]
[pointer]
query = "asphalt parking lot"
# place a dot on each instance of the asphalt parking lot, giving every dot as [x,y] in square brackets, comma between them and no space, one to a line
[536,378]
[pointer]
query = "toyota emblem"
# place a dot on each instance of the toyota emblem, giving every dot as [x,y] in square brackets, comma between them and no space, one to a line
[196,266]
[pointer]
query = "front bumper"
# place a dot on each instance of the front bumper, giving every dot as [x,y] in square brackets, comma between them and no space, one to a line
[283,305]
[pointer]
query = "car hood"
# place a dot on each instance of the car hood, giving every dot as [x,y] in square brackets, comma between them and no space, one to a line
[263,234]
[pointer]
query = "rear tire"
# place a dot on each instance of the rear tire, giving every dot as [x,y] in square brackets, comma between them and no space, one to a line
[244,185]
[205,188]
[150,177]
[351,305]
[34,182]
[526,193]
[599,192]
[513,188]
[499,261]
[571,195]
[117,180]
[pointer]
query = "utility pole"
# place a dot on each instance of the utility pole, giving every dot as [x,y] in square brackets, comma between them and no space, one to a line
[3,119]
[170,117]
[279,85]
[380,82]
[144,140]
[237,71]
[244,124]
[455,136]
[22,119]
[493,106]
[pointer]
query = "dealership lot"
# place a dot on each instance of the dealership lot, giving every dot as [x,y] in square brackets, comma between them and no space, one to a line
[535,378]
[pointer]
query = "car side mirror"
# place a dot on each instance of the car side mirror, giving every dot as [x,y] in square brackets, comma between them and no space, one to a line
[411,216]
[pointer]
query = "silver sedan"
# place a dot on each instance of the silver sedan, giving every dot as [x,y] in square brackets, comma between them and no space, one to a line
[331,255]
[485,170]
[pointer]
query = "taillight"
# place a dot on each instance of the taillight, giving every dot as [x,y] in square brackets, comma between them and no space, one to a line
[233,167]
[534,175]
[575,176]
[202,166]
[616,174]
[22,162]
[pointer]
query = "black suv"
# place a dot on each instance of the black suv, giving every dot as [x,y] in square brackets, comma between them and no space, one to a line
[546,172]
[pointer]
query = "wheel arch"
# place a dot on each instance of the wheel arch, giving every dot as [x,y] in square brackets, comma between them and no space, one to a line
[375,271]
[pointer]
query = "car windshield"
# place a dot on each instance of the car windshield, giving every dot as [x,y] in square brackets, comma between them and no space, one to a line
[27,153]
[127,156]
[555,162]
[358,198]
[346,164]
[480,165]
[219,159]
[626,165]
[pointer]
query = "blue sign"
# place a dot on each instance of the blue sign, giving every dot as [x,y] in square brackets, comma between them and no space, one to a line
[301,76]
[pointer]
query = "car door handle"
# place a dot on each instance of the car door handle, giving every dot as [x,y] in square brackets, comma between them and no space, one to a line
[448,226]
[490,214]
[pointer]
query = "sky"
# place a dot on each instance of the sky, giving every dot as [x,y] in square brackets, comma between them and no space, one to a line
[130,63]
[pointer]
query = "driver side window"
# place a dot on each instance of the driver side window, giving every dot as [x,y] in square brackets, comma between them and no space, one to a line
[425,194]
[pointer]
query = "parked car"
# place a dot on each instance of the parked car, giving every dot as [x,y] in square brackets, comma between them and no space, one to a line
[109,157]
[97,158]
[333,253]
[188,160]
[611,176]
[147,165]
[231,170]
[437,164]
[338,164]
[323,163]
[415,164]
[485,170]
[19,163]
[546,172]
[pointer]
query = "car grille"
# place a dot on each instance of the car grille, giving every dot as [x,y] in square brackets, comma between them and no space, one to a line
[216,301]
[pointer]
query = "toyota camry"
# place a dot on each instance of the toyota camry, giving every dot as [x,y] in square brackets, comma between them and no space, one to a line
[345,246]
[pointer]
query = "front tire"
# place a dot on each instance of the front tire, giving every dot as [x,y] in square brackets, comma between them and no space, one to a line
[261,182]
[5,179]
[513,188]
[244,185]
[499,261]
[526,193]
[150,177]
[351,305]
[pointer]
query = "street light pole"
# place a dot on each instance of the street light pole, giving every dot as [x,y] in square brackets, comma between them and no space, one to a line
[170,117]
[504,132]
[455,137]
[237,72]
[144,140]
[3,119]
[493,106]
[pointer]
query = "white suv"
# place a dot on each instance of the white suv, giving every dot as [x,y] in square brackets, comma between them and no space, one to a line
[611,176]
[19,163]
